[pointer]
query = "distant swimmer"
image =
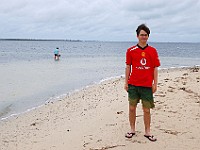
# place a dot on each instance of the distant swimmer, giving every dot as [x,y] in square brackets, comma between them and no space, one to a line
[56,54]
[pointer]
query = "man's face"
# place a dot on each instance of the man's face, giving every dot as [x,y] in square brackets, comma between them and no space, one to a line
[143,37]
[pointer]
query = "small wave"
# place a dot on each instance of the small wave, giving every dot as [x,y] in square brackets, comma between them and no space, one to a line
[111,78]
[5,110]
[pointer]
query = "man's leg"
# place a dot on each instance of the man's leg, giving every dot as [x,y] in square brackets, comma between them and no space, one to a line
[147,120]
[132,117]
[133,98]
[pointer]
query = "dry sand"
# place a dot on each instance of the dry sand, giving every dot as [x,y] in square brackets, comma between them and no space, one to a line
[96,118]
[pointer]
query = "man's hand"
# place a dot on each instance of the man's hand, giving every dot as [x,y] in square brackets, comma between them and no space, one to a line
[154,88]
[126,87]
[127,74]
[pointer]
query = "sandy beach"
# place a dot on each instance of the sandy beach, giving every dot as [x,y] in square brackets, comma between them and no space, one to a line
[96,118]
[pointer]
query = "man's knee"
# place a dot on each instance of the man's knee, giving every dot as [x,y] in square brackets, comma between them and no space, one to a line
[146,110]
[132,108]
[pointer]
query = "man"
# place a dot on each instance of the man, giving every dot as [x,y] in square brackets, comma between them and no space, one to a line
[56,54]
[141,77]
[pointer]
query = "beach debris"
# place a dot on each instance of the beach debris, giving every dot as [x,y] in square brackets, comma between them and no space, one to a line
[170,131]
[106,147]
[120,112]
[183,88]
[99,140]
[114,124]
[195,69]
[33,124]
[198,78]
[166,79]
[184,83]
[171,87]
[84,145]
[171,111]
[137,141]
[170,90]
[188,91]
[160,95]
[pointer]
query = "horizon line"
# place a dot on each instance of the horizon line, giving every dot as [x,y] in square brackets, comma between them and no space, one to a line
[72,40]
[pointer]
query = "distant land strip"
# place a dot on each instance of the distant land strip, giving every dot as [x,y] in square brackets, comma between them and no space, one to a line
[41,40]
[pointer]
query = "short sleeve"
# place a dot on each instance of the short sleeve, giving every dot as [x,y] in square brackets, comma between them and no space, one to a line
[128,58]
[156,60]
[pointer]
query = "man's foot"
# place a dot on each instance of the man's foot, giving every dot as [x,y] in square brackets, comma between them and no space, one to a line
[151,138]
[129,134]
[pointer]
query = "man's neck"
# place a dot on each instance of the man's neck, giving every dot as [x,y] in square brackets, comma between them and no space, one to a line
[142,44]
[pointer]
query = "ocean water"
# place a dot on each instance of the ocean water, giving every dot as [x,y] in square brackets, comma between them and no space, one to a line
[29,76]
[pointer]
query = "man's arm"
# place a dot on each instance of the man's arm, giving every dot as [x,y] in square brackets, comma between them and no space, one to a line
[155,80]
[127,74]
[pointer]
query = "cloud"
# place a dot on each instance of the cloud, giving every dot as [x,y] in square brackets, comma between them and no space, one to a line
[99,19]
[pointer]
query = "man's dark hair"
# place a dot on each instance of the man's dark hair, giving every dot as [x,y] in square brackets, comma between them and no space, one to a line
[142,27]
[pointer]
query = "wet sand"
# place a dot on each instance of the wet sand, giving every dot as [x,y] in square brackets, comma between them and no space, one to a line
[96,118]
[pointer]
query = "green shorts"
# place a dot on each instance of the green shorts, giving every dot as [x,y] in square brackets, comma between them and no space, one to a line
[135,93]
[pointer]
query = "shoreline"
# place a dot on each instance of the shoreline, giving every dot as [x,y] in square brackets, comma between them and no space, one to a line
[96,118]
[57,98]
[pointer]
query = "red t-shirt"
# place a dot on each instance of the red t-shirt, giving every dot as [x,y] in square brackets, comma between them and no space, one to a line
[142,61]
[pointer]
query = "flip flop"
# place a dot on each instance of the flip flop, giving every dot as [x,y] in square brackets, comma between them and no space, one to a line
[129,135]
[150,137]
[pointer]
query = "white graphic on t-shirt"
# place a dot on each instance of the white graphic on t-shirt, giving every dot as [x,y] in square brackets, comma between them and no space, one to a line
[134,48]
[143,61]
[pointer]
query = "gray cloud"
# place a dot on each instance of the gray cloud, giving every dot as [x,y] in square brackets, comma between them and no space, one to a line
[172,20]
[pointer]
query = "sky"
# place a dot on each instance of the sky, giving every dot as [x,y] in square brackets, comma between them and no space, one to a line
[104,20]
